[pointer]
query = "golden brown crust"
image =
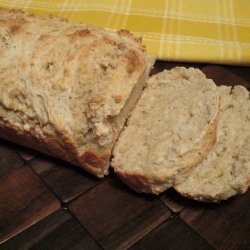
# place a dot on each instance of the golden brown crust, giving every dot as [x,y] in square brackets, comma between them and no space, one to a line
[70,87]
[95,163]
[96,101]
[79,33]
[133,60]
[126,33]
[117,98]
[90,160]
[51,146]
[14,29]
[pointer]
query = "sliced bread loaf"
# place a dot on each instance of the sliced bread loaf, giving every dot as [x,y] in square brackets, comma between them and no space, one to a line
[226,169]
[66,89]
[171,129]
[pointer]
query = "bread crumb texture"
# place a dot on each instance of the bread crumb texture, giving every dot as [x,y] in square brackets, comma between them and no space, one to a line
[66,85]
[170,131]
[225,172]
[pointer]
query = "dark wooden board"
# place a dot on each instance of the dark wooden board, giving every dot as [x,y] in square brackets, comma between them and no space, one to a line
[9,159]
[24,201]
[173,200]
[173,234]
[225,225]
[57,231]
[46,203]
[65,180]
[221,76]
[116,216]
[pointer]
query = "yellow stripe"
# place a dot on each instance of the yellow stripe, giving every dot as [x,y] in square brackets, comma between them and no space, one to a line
[235,35]
[163,31]
[170,30]
[178,30]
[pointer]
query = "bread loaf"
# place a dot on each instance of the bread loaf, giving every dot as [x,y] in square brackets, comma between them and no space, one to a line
[171,129]
[66,89]
[225,171]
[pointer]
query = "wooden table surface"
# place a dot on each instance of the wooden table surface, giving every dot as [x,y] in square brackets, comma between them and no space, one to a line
[48,204]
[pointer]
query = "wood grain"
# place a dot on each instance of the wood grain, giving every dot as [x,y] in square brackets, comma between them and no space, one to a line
[26,153]
[172,234]
[116,216]
[57,231]
[225,225]
[65,180]
[173,200]
[9,159]
[24,201]
[242,72]
[221,76]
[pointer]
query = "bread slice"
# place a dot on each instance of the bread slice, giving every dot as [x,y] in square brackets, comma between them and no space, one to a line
[225,171]
[66,89]
[171,129]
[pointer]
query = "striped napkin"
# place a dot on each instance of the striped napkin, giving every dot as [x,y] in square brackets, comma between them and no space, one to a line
[214,31]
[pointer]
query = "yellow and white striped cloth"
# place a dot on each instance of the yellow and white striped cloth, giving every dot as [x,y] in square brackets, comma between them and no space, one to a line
[213,31]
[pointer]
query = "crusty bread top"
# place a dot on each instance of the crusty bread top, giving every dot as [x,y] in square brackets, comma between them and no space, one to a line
[226,170]
[169,130]
[66,81]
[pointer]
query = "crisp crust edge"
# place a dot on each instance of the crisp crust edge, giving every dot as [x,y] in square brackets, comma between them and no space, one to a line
[90,161]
